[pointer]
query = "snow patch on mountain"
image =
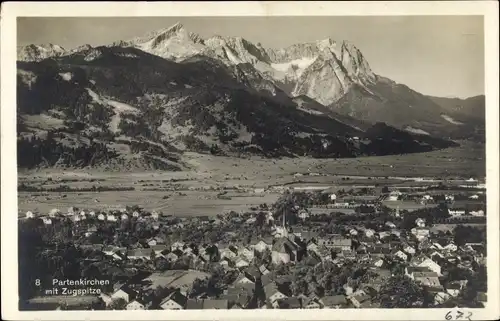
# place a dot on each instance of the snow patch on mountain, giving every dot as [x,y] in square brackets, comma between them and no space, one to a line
[296,65]
[416,130]
[119,108]
[451,120]
[67,76]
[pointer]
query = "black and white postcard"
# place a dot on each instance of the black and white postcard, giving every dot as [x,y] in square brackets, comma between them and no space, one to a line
[336,159]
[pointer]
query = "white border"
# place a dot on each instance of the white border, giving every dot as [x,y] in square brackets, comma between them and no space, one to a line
[11,10]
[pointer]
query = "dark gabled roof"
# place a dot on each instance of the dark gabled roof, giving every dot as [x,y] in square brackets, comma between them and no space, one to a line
[266,279]
[252,272]
[284,245]
[362,297]
[193,304]
[241,288]
[333,300]
[177,297]
[127,289]
[481,297]
[159,247]
[178,252]
[425,275]
[215,304]
[270,289]
[289,303]
[417,269]
[453,286]
[139,252]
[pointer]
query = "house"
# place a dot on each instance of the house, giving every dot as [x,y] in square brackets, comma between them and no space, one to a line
[312,302]
[383,234]
[160,249]
[312,247]
[420,222]
[114,251]
[420,232]
[135,214]
[251,221]
[253,273]
[377,262]
[360,300]
[379,251]
[456,212]
[284,251]
[393,196]
[29,214]
[229,252]
[125,293]
[139,254]
[353,231]
[264,270]
[402,255]
[441,297]
[334,301]
[174,301]
[369,232]
[272,293]
[243,279]
[135,305]
[451,247]
[426,199]
[428,263]
[171,257]
[453,289]
[411,270]
[106,298]
[390,224]
[215,304]
[124,216]
[262,245]
[111,218]
[101,217]
[193,304]
[155,241]
[76,218]
[177,245]
[429,279]
[336,242]
[477,213]
[91,230]
[54,212]
[289,303]
[47,220]
[247,253]
[155,215]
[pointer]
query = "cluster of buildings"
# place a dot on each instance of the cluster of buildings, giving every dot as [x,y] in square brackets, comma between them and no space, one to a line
[424,254]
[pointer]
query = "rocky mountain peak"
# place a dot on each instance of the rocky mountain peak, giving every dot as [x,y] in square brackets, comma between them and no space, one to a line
[35,52]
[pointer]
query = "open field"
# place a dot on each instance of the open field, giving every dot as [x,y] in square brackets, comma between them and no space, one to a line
[195,192]
[187,204]
[175,278]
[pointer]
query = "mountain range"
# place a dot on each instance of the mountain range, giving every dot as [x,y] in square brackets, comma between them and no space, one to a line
[142,102]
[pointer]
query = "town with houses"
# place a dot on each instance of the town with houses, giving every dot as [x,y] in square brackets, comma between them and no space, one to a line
[319,249]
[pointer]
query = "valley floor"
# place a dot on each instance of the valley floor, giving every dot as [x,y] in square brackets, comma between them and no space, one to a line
[221,184]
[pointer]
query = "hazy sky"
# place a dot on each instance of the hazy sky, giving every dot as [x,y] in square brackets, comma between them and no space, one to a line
[435,55]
